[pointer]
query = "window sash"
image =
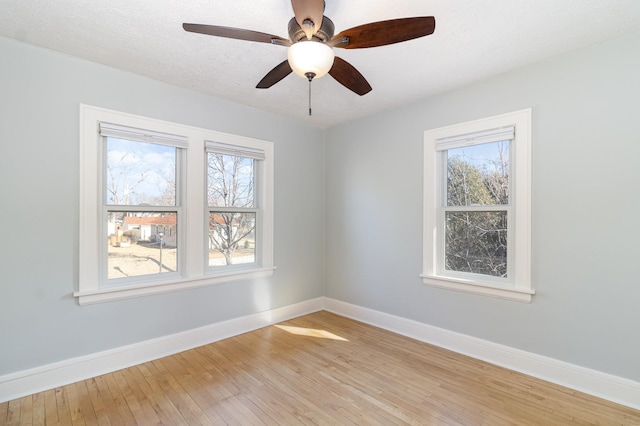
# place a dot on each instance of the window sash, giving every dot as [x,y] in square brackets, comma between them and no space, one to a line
[443,157]
[257,252]
[257,170]
[106,282]
[180,174]
[441,253]
[139,135]
[471,139]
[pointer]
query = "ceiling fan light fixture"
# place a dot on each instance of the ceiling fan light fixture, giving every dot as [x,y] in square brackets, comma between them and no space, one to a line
[310,57]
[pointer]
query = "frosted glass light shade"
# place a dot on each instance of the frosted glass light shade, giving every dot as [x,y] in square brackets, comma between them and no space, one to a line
[310,57]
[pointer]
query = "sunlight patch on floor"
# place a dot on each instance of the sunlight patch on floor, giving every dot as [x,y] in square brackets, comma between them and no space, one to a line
[301,331]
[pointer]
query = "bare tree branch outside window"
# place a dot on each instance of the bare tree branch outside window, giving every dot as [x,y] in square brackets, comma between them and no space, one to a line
[232,216]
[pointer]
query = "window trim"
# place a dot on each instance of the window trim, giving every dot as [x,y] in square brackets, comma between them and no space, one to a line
[194,269]
[518,289]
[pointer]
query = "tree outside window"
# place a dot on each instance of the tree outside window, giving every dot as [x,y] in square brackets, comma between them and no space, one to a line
[475,238]
[232,209]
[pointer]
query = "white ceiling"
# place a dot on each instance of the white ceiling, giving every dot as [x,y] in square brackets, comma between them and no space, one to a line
[473,40]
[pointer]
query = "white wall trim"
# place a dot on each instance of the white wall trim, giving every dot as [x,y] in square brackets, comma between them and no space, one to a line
[602,385]
[27,382]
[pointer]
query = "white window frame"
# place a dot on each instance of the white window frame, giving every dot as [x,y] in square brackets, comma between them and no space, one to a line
[518,284]
[193,224]
[180,143]
[257,155]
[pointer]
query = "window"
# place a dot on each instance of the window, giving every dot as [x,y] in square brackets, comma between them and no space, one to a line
[165,207]
[232,204]
[477,207]
[141,203]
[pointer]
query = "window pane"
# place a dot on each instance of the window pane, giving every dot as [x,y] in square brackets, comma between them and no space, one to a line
[140,173]
[230,181]
[232,238]
[476,242]
[141,243]
[478,175]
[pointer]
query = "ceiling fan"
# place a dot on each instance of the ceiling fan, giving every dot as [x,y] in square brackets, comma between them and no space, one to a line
[311,42]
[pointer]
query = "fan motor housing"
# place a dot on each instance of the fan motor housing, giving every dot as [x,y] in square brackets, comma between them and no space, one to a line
[324,34]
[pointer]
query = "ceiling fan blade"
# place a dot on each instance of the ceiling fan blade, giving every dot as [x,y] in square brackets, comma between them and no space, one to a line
[236,33]
[387,32]
[312,10]
[349,77]
[275,75]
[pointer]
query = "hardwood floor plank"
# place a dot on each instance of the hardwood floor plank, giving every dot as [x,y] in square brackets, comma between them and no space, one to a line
[319,369]
[62,404]
[85,404]
[26,410]
[13,412]
[126,401]
[38,410]
[109,400]
[73,398]
[4,410]
[102,415]
[212,390]
[182,400]
[50,407]
[153,404]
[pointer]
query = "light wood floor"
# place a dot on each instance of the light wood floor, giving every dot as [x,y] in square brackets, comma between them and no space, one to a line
[317,369]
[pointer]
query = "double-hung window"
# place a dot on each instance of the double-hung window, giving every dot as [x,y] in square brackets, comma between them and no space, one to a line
[166,207]
[142,212]
[233,205]
[477,207]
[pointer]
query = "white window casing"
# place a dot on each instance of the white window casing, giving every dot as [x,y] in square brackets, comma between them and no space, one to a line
[95,125]
[516,128]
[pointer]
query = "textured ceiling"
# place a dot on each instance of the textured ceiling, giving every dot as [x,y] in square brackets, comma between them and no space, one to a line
[473,40]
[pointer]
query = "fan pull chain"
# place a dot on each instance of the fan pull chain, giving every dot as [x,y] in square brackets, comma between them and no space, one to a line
[310,76]
[309,98]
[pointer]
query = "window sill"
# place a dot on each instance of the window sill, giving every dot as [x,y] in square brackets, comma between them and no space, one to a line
[108,294]
[516,294]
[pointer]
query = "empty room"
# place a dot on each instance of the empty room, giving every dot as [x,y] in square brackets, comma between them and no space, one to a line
[320,212]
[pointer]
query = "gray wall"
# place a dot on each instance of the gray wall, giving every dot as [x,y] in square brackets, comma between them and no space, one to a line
[586,174]
[40,322]
[586,205]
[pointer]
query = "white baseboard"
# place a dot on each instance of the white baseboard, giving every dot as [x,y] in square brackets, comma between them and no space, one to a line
[23,383]
[592,382]
[602,385]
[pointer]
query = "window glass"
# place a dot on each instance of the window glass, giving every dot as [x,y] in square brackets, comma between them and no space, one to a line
[230,180]
[476,242]
[140,173]
[478,175]
[141,243]
[232,238]
[232,231]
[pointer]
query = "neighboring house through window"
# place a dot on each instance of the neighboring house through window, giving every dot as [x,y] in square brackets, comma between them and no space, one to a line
[477,207]
[148,221]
